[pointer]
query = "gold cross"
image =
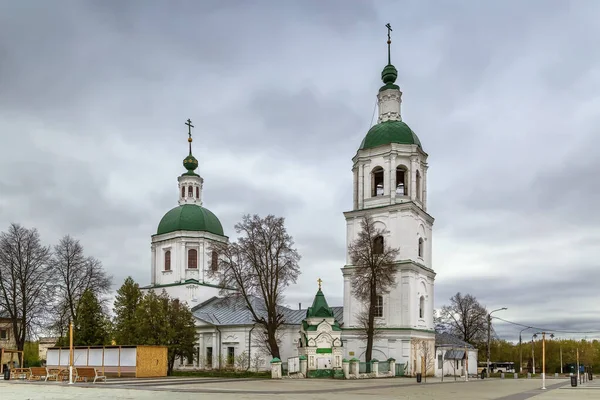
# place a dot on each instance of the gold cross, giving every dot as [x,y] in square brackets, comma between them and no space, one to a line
[320,281]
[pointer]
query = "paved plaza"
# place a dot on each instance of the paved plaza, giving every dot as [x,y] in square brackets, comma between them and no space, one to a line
[226,389]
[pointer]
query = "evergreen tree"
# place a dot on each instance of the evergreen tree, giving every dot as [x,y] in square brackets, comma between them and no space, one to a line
[182,332]
[166,322]
[128,299]
[91,327]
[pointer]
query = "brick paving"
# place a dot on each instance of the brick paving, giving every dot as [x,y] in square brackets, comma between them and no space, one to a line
[326,389]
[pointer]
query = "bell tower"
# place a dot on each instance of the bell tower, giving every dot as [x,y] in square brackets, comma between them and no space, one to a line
[390,184]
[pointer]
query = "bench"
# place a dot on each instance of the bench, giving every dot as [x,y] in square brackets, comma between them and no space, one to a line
[37,373]
[86,373]
[19,373]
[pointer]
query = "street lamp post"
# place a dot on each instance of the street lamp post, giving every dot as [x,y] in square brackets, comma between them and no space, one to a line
[533,352]
[521,350]
[543,356]
[488,338]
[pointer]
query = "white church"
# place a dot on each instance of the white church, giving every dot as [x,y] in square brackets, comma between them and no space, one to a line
[390,183]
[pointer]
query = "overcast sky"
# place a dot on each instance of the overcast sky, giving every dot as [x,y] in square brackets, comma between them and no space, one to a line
[504,96]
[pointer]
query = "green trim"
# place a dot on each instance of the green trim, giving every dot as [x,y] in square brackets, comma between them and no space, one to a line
[303,357]
[324,351]
[391,329]
[186,282]
[411,203]
[275,360]
[402,262]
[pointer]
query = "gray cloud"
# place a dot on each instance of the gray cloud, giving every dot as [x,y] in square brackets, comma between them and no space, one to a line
[503,96]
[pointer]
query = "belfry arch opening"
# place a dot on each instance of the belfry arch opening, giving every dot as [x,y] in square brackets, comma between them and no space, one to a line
[422,307]
[401,180]
[190,191]
[418,188]
[378,245]
[377,182]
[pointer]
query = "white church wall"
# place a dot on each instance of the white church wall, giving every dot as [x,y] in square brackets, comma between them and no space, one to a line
[242,340]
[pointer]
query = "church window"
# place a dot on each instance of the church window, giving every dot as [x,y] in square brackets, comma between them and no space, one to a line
[214,264]
[168,260]
[420,247]
[422,307]
[378,245]
[401,184]
[197,192]
[192,258]
[230,356]
[190,191]
[379,307]
[183,191]
[377,182]
[418,185]
[4,334]
[209,354]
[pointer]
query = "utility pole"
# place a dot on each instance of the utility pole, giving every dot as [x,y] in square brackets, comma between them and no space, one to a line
[561,363]
[543,360]
[533,353]
[521,350]
[71,352]
[489,321]
[467,364]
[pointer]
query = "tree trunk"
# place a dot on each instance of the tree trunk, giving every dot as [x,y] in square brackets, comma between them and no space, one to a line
[273,345]
[371,325]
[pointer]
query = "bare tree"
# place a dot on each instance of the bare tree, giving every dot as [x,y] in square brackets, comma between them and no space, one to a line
[362,318]
[26,280]
[426,350]
[76,273]
[374,272]
[260,265]
[465,318]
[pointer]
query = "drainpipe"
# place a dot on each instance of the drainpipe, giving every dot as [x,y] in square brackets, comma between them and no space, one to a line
[250,345]
[219,353]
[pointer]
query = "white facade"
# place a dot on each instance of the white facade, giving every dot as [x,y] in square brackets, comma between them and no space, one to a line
[192,285]
[237,347]
[172,269]
[390,185]
[454,367]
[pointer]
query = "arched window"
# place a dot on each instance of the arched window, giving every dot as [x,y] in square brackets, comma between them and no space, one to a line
[190,191]
[192,258]
[401,184]
[377,182]
[420,247]
[418,188]
[422,307]
[214,264]
[379,307]
[378,245]
[183,191]
[168,260]
[197,192]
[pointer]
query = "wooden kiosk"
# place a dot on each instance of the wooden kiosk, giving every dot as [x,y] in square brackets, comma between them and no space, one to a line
[136,361]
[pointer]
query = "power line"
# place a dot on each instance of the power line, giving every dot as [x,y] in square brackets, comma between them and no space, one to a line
[544,329]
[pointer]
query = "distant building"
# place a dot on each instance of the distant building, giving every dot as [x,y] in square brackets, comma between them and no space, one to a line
[452,355]
[44,344]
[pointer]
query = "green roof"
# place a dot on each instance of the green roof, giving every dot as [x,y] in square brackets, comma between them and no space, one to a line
[319,308]
[190,217]
[389,132]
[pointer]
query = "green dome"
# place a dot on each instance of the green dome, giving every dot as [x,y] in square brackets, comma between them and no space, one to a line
[389,132]
[190,163]
[190,217]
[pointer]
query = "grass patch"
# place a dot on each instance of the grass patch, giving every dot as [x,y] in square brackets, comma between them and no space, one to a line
[223,373]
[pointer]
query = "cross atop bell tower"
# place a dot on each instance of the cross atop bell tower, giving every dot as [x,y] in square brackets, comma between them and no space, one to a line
[190,183]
